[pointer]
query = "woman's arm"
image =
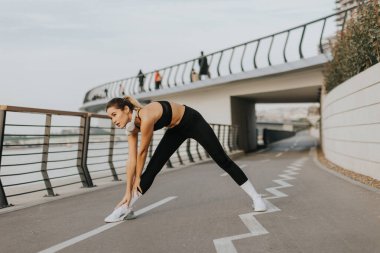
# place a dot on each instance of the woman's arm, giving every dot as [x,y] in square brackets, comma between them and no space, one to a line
[132,155]
[147,125]
[130,169]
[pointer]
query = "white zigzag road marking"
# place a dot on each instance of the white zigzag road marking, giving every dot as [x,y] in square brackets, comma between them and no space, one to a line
[225,244]
[286,177]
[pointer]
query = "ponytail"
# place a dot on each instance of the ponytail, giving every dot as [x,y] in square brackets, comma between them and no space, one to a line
[134,102]
[120,103]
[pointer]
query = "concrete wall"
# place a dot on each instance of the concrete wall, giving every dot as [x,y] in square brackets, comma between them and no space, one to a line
[351,123]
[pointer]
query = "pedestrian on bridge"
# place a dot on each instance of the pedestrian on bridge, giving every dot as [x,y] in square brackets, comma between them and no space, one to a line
[157,79]
[141,78]
[182,122]
[194,76]
[203,66]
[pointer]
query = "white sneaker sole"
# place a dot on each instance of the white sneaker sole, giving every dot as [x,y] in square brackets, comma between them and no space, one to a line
[127,216]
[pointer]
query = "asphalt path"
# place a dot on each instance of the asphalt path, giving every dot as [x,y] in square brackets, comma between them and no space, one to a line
[200,209]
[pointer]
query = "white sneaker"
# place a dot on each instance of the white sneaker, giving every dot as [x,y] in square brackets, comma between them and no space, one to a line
[118,214]
[259,204]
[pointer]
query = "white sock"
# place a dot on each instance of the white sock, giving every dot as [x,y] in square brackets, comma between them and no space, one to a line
[250,190]
[135,197]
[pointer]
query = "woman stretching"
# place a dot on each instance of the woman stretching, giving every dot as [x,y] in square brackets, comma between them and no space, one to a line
[182,122]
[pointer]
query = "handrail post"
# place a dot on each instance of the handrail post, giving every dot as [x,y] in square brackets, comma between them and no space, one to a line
[234,137]
[221,140]
[218,132]
[3,197]
[344,19]
[110,154]
[168,79]
[134,86]
[224,136]
[242,57]
[270,49]
[150,80]
[229,139]
[183,73]
[254,57]
[199,153]
[179,157]
[300,46]
[188,151]
[229,64]
[45,156]
[175,76]
[209,64]
[237,137]
[168,163]
[220,59]
[162,78]
[129,84]
[82,153]
[321,37]
[286,43]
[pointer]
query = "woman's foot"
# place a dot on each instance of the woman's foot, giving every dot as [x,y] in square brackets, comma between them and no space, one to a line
[259,204]
[118,214]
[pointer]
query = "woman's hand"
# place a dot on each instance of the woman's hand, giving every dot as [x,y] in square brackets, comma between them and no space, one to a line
[136,186]
[126,199]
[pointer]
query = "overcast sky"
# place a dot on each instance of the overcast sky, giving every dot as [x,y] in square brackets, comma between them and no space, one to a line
[53,51]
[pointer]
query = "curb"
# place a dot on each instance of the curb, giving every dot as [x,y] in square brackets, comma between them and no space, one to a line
[313,153]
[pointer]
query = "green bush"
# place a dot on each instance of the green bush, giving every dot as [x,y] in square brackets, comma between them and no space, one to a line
[357,47]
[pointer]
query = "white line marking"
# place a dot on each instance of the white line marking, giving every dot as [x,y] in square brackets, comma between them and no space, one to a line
[279,154]
[225,244]
[98,230]
[224,174]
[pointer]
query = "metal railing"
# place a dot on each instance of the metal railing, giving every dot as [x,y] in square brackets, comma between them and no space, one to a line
[274,49]
[45,154]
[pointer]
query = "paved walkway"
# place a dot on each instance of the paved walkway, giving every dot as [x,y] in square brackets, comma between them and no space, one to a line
[201,209]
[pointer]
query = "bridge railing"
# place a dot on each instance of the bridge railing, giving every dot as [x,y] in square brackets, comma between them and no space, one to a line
[43,150]
[303,41]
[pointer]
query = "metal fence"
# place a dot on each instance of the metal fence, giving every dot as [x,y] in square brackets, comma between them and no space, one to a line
[303,41]
[60,149]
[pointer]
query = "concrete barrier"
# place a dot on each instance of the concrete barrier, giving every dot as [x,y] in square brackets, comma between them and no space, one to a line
[351,123]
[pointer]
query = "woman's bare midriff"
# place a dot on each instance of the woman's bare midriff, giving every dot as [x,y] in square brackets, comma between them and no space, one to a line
[177,114]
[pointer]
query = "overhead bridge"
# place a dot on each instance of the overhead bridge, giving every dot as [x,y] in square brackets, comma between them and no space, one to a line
[284,67]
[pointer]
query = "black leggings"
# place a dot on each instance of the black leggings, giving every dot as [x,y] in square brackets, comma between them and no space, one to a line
[194,126]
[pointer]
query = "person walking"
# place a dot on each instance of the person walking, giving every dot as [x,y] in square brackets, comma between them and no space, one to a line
[157,79]
[182,122]
[141,78]
[194,76]
[121,89]
[203,66]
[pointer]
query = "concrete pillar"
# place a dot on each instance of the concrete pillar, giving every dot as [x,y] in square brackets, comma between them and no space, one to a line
[243,114]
